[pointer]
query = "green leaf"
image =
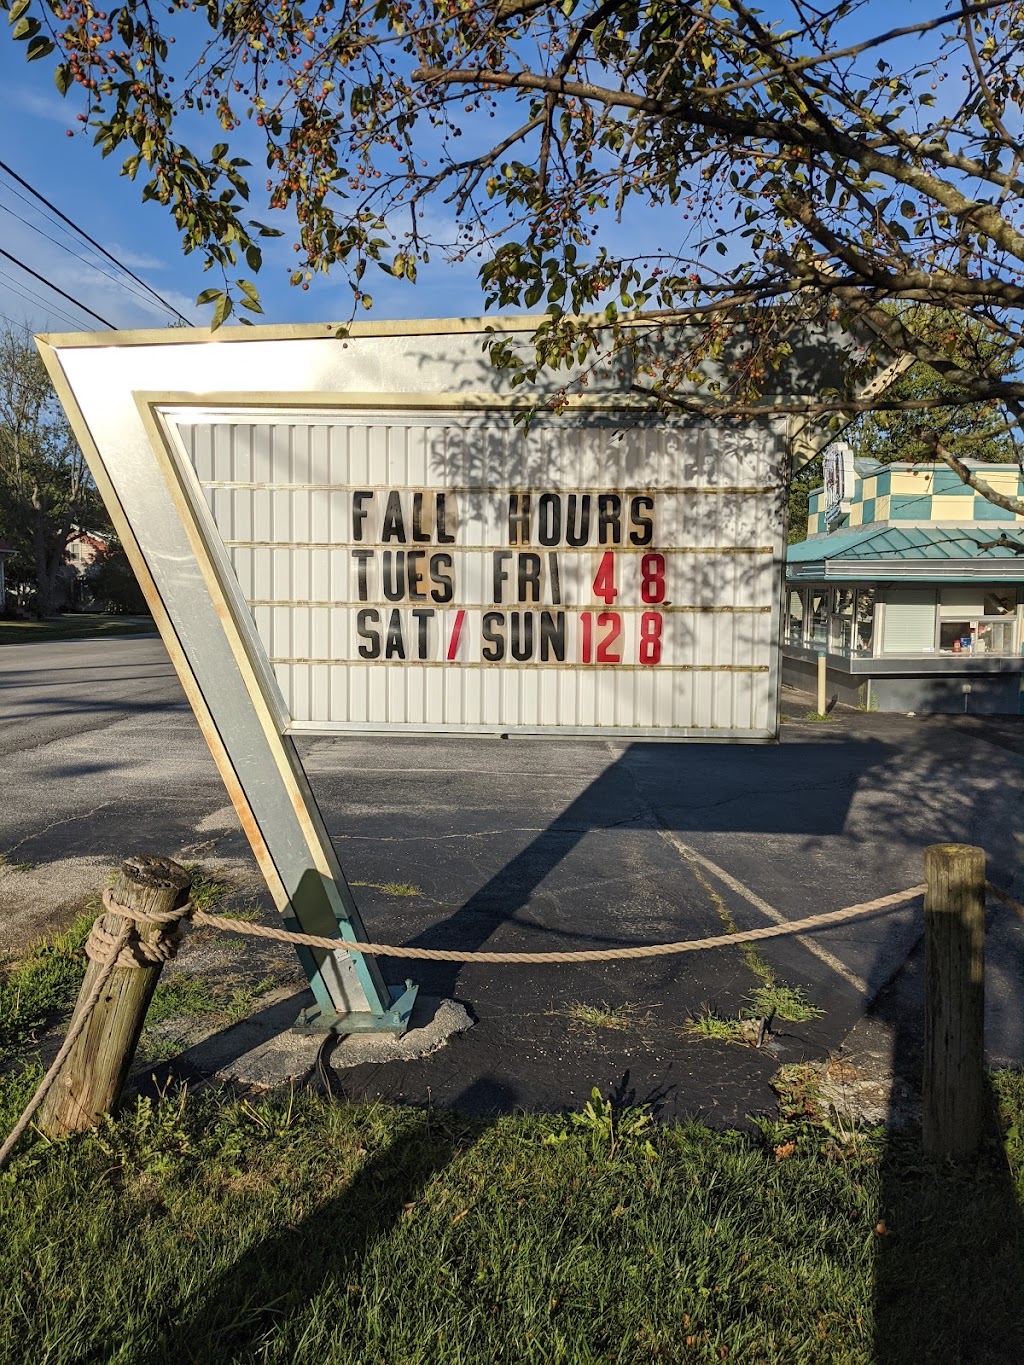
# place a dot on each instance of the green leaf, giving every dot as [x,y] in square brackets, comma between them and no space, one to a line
[208,296]
[222,311]
[17,10]
[62,78]
[38,47]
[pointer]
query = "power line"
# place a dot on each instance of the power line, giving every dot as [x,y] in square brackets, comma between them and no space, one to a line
[42,280]
[92,242]
[30,296]
[93,265]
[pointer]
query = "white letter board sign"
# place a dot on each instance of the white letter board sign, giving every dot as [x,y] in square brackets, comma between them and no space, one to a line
[450,570]
[348,536]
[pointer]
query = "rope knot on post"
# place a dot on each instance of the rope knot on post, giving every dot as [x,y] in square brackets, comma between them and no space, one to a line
[104,945]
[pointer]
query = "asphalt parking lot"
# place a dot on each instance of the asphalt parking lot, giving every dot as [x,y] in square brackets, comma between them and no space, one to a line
[539,844]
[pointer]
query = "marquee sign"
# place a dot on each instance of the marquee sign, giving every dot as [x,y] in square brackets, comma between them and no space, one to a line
[446,569]
[357,536]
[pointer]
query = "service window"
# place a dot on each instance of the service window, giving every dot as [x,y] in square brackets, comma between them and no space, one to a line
[864,622]
[956,637]
[841,627]
[795,619]
[909,621]
[818,617]
[994,637]
[1000,602]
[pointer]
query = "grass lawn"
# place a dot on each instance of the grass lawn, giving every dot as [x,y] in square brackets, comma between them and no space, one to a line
[295,1228]
[74,626]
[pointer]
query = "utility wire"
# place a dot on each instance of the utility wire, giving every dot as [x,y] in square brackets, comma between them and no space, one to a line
[93,265]
[30,296]
[92,242]
[42,280]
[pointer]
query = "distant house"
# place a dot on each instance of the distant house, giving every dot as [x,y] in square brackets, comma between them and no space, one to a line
[84,548]
[912,586]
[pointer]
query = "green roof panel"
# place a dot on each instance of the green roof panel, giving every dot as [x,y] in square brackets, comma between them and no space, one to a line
[944,547]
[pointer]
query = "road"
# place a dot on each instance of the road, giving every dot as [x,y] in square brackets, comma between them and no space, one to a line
[531,844]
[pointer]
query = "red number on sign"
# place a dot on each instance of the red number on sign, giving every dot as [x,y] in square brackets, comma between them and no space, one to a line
[604,579]
[650,637]
[652,578]
[587,649]
[613,621]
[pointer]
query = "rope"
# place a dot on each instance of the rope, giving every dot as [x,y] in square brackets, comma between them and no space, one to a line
[109,950]
[1005,897]
[104,945]
[693,945]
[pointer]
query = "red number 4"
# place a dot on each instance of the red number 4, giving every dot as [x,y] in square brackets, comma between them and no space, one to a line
[604,579]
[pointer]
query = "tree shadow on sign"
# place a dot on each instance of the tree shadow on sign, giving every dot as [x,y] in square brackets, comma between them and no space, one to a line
[949,1241]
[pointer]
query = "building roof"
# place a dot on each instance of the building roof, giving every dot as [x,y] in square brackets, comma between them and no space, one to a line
[938,554]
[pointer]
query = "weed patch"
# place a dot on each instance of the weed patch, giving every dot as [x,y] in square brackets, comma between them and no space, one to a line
[208,889]
[620,1019]
[783,1001]
[393,888]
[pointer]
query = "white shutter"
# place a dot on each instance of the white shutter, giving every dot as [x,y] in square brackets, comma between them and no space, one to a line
[910,622]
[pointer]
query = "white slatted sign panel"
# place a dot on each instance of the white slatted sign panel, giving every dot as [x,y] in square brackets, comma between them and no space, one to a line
[453,571]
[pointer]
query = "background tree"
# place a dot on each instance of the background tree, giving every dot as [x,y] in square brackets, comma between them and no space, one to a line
[811,166]
[112,584]
[972,431]
[45,488]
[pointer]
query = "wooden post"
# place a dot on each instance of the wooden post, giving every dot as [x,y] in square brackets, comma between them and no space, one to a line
[90,1082]
[822,665]
[953,1117]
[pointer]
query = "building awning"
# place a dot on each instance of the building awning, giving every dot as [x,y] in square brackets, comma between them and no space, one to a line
[933,554]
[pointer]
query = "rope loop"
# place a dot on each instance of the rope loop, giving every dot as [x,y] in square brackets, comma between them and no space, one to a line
[105,946]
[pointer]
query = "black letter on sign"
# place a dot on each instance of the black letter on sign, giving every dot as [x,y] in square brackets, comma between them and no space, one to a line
[500,575]
[392,576]
[362,558]
[359,513]
[578,533]
[420,536]
[444,537]
[422,615]
[414,560]
[444,589]
[529,577]
[521,635]
[393,527]
[492,627]
[394,645]
[364,618]
[609,519]
[519,518]
[552,636]
[643,533]
[549,519]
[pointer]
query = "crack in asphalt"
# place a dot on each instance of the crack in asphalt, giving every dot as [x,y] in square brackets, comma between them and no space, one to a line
[56,824]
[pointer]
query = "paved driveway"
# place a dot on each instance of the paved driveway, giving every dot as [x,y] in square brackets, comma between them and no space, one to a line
[532,844]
